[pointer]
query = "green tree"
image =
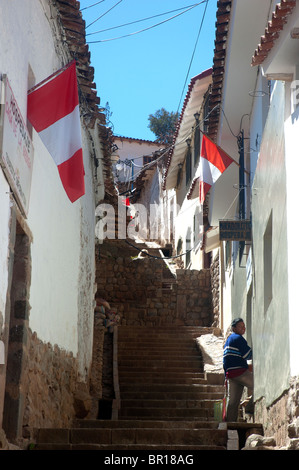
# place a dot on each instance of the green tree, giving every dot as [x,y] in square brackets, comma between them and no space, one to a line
[163,124]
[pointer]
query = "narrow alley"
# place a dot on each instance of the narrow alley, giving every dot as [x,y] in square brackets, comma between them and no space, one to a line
[155,391]
[126,263]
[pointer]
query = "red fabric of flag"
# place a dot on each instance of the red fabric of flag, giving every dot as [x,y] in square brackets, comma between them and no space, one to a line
[213,162]
[53,110]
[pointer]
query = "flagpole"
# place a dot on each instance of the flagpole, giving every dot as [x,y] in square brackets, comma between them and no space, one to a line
[237,163]
[241,177]
[51,76]
[241,190]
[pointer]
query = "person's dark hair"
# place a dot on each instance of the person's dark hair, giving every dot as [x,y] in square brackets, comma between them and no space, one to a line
[236,321]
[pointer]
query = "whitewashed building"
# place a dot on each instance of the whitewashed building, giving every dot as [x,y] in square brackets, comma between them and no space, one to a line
[47,243]
[255,90]
[185,214]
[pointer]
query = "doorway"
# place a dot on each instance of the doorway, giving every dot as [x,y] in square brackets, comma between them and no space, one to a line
[17,327]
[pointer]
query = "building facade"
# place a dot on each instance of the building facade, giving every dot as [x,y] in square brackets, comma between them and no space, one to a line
[47,249]
[186,215]
[255,121]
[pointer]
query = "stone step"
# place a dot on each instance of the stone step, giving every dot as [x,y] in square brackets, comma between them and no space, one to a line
[158,346]
[166,413]
[162,342]
[161,380]
[169,363]
[172,395]
[162,370]
[131,436]
[102,423]
[174,403]
[142,388]
[150,448]
[134,379]
[158,356]
[166,329]
[176,374]
[150,349]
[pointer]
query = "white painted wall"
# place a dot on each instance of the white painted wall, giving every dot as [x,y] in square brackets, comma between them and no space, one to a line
[134,148]
[270,328]
[62,286]
[292,168]
[185,230]
[4,237]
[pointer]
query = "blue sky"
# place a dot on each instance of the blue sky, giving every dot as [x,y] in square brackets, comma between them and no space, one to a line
[141,73]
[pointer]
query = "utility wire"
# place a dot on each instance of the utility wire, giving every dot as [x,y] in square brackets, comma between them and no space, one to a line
[163,257]
[104,14]
[139,21]
[86,8]
[172,146]
[200,28]
[146,29]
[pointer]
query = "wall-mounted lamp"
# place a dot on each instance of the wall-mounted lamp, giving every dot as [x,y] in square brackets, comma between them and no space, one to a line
[196,115]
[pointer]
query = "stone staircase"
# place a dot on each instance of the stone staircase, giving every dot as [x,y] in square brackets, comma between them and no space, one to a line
[164,401]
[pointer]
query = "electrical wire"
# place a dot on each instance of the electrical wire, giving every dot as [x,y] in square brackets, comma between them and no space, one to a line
[172,146]
[192,57]
[90,6]
[104,14]
[146,29]
[139,21]
[163,257]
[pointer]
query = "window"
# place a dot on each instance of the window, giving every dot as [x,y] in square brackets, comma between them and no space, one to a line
[188,165]
[268,264]
[188,247]
[147,159]
[196,145]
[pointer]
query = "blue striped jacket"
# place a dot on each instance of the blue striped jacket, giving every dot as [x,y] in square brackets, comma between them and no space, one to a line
[236,353]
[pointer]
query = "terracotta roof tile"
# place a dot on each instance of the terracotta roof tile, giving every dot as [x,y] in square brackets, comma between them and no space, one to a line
[222,27]
[273,29]
[74,31]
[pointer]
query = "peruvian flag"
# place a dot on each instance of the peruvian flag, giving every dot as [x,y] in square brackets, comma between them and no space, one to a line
[53,110]
[213,162]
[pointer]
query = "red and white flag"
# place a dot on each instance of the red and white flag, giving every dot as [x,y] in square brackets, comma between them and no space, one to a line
[213,162]
[53,110]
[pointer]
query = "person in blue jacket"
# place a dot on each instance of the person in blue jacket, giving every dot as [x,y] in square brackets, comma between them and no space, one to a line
[237,371]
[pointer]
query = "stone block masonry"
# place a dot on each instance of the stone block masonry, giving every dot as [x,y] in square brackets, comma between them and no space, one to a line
[281,419]
[52,386]
[143,293]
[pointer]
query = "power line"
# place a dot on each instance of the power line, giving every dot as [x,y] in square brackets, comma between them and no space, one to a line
[139,21]
[141,250]
[104,14]
[90,6]
[200,28]
[146,29]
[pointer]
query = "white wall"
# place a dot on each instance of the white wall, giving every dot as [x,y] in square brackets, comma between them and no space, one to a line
[4,237]
[292,168]
[270,329]
[134,148]
[62,285]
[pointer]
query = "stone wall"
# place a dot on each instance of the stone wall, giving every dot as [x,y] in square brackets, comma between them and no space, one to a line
[142,291]
[281,419]
[215,288]
[54,396]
